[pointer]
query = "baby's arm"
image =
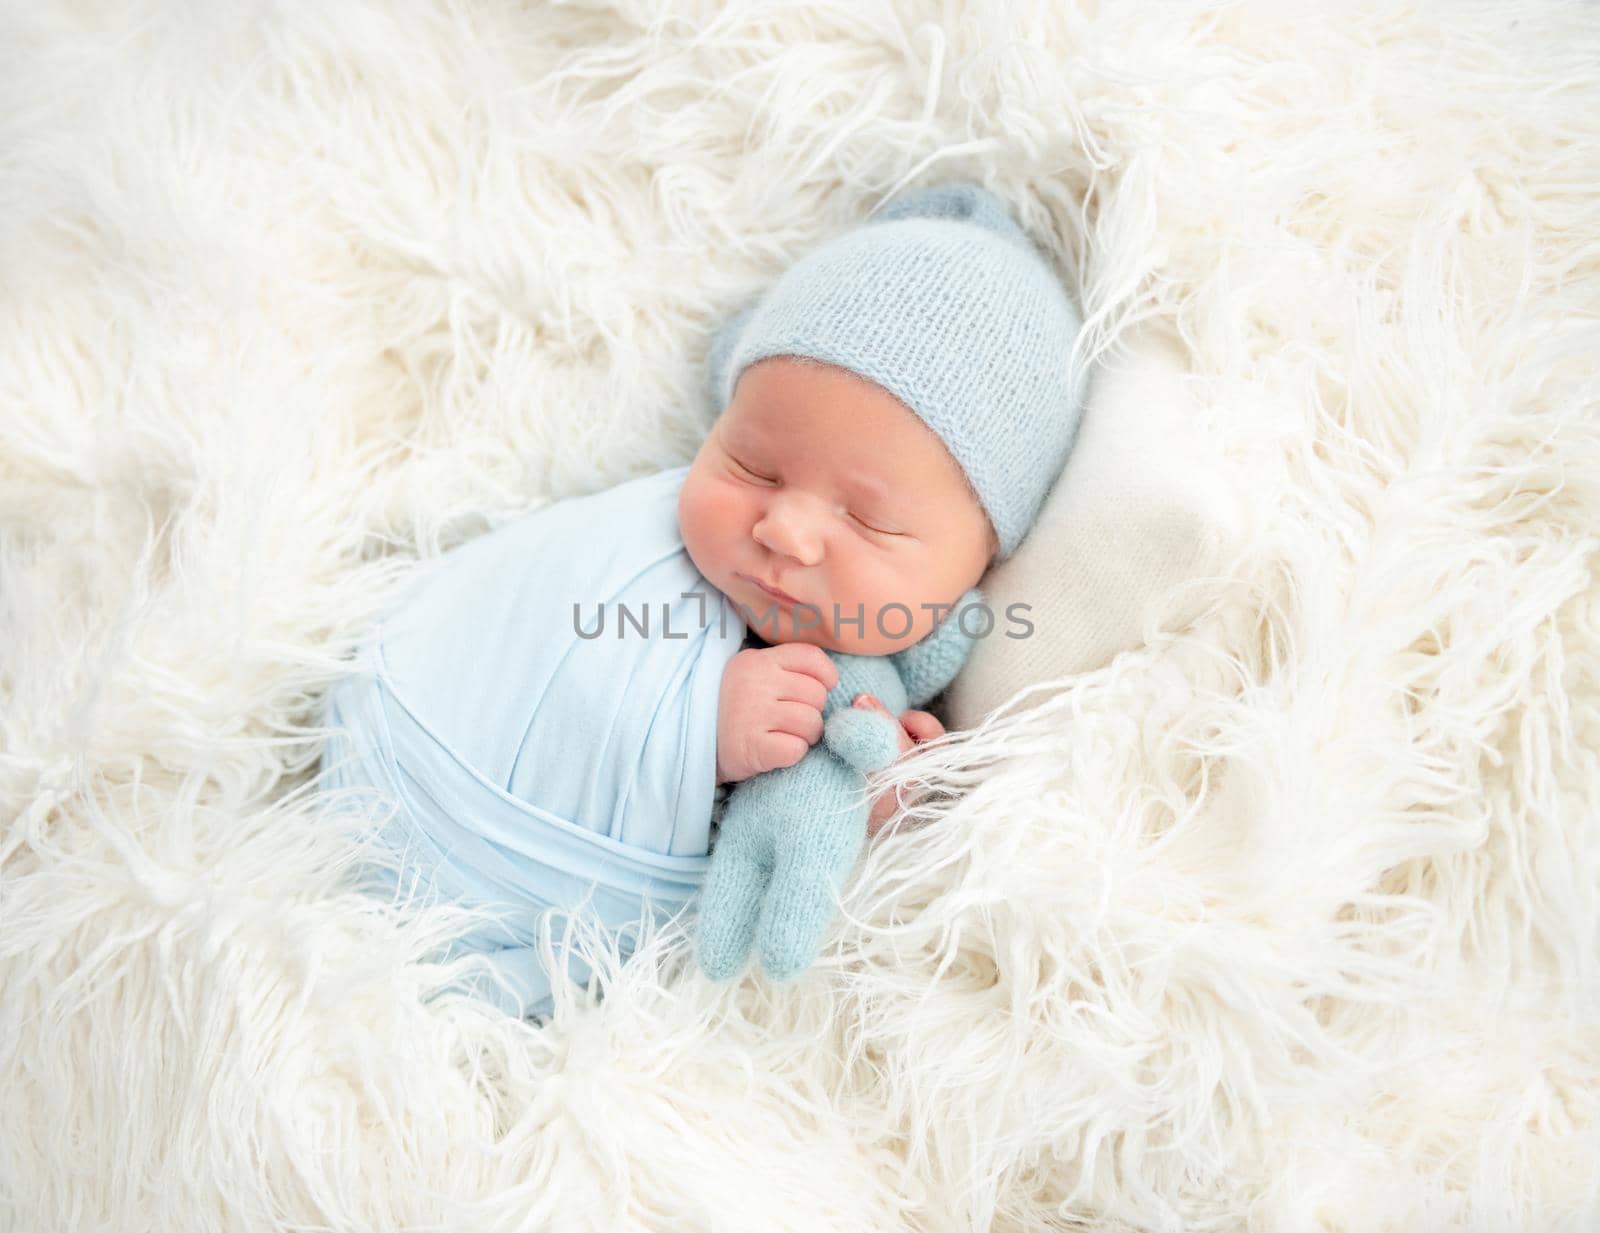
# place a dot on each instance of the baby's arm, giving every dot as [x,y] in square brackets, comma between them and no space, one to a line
[769,709]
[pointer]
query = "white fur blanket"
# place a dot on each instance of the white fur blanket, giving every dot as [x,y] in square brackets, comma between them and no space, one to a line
[1289,920]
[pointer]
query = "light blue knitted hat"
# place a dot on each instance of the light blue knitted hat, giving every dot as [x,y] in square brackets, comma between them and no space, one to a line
[943,300]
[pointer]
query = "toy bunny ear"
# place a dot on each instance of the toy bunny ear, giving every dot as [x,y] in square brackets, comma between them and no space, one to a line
[927,667]
[719,378]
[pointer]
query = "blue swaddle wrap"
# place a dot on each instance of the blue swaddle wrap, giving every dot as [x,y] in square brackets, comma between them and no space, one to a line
[535,767]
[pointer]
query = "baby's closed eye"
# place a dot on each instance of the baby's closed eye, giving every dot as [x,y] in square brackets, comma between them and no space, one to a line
[876,530]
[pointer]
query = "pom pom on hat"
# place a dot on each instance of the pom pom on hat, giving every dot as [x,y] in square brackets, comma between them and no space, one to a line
[944,301]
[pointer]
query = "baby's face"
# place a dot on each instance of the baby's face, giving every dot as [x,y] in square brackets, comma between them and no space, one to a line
[826,487]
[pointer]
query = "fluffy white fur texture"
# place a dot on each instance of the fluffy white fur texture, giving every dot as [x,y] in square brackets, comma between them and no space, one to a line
[1288,920]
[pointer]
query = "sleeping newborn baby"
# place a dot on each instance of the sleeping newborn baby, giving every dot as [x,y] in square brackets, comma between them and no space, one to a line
[557,710]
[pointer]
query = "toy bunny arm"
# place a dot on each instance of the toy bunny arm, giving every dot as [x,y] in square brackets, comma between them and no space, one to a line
[865,740]
[928,666]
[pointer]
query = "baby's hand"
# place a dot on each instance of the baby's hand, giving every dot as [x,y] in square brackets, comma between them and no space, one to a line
[769,711]
[915,728]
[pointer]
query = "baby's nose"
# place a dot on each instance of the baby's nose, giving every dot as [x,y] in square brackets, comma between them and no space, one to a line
[791,530]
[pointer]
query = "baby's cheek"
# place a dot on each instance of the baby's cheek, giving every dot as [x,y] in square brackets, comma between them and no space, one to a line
[708,520]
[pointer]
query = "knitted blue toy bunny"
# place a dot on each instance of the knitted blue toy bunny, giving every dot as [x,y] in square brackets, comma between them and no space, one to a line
[790,836]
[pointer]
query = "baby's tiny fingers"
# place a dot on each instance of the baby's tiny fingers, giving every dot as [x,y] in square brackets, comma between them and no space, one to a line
[779,749]
[922,725]
[798,687]
[798,718]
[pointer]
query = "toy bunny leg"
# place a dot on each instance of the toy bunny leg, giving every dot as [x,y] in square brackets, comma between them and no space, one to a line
[812,864]
[730,905]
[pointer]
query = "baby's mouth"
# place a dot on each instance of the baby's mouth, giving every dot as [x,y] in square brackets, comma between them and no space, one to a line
[783,597]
